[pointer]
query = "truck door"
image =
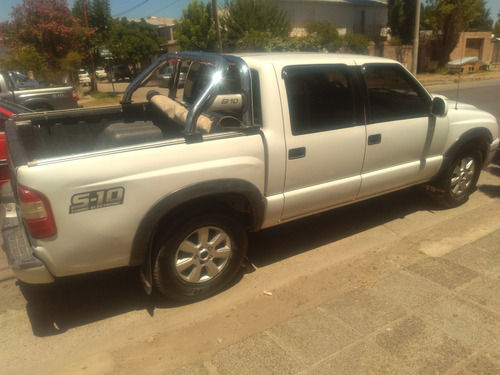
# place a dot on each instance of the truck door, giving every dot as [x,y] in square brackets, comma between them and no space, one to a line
[404,143]
[325,138]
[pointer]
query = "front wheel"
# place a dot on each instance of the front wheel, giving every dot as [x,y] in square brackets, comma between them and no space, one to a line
[200,257]
[460,178]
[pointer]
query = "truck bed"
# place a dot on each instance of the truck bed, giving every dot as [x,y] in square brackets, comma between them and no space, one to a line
[64,133]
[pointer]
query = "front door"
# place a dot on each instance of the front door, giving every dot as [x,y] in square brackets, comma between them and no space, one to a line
[403,142]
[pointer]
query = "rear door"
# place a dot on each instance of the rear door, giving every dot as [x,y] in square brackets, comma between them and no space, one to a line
[325,139]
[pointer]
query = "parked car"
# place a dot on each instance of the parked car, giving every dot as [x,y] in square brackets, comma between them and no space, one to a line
[83,77]
[38,99]
[119,72]
[100,73]
[165,75]
[22,81]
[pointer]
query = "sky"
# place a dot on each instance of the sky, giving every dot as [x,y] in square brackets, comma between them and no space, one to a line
[163,8]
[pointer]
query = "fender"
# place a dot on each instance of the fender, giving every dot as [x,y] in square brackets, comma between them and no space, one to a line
[142,251]
[148,225]
[470,136]
[36,103]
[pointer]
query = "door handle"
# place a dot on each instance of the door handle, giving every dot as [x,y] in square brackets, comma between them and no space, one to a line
[374,139]
[296,153]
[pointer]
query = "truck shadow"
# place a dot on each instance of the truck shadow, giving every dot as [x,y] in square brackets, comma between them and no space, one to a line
[493,191]
[56,308]
[274,244]
[68,303]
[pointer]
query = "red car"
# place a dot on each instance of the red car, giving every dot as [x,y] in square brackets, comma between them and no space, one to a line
[7,110]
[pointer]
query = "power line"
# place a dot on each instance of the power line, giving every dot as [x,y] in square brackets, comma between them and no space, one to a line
[168,5]
[131,9]
[144,2]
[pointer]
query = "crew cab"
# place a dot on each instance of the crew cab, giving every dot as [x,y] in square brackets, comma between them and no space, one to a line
[172,180]
[22,90]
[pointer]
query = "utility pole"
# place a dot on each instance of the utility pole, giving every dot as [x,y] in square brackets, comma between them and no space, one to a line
[93,83]
[217,30]
[414,62]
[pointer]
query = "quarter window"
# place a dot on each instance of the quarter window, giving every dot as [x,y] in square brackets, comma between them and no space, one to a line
[320,98]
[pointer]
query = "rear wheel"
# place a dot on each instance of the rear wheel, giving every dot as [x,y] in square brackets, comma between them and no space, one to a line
[200,257]
[460,178]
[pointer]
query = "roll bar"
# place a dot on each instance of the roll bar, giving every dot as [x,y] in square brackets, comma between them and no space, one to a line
[205,99]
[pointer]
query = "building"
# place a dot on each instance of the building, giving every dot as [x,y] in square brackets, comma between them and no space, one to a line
[479,45]
[166,28]
[368,17]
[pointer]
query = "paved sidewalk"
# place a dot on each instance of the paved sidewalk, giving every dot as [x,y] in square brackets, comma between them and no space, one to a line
[438,315]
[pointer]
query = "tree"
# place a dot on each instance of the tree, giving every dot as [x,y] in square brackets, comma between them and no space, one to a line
[356,43]
[326,35]
[496,29]
[401,19]
[259,21]
[96,15]
[483,21]
[195,30]
[133,42]
[447,19]
[47,28]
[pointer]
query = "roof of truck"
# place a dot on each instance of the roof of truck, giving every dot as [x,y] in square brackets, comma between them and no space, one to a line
[298,58]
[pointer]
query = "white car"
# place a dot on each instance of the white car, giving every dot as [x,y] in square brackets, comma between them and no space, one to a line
[172,180]
[101,73]
[83,77]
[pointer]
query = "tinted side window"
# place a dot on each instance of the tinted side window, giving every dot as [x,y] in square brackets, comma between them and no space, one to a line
[393,94]
[319,98]
[257,105]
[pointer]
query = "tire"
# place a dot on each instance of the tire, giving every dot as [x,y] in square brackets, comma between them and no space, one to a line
[200,257]
[460,178]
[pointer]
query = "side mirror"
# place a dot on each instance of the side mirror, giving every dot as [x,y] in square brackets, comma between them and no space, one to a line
[439,107]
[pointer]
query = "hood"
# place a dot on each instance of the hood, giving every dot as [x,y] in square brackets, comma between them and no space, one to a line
[453,104]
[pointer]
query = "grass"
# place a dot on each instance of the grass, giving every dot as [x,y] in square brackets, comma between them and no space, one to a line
[99,99]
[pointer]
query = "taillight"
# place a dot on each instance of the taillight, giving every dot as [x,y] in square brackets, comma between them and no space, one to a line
[36,213]
[74,96]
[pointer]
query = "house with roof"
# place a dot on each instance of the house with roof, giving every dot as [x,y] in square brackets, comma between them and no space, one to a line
[368,17]
[165,27]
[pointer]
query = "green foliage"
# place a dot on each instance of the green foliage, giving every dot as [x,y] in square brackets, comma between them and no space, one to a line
[245,21]
[447,18]
[40,35]
[195,30]
[98,17]
[133,42]
[483,21]
[401,19]
[72,63]
[356,43]
[27,58]
[324,35]
[496,29]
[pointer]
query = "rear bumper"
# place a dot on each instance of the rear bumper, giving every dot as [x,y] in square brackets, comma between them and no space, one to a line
[17,247]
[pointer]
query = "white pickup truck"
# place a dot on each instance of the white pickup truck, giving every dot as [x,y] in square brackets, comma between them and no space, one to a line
[172,180]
